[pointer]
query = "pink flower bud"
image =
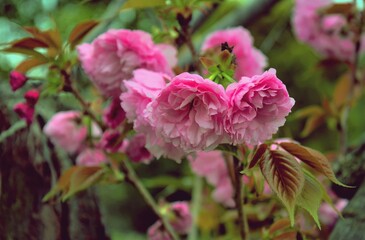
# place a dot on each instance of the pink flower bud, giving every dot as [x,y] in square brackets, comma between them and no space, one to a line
[32,96]
[137,151]
[111,141]
[25,111]
[114,115]
[91,157]
[157,232]
[17,80]
[182,219]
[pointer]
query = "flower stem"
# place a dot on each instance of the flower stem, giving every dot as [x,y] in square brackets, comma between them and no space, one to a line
[197,197]
[239,197]
[132,178]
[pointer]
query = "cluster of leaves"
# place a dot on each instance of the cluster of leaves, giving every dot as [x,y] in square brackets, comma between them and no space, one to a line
[294,184]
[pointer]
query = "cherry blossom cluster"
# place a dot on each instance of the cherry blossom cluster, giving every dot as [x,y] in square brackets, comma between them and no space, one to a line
[328,33]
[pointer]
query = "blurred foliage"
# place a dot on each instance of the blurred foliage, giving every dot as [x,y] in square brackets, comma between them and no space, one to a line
[309,80]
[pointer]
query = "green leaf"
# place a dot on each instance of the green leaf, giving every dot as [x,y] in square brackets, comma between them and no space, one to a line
[312,158]
[311,197]
[285,177]
[83,178]
[144,4]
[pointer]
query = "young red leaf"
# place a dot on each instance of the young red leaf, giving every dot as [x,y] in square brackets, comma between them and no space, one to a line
[281,224]
[30,63]
[312,158]
[292,235]
[80,31]
[29,43]
[285,177]
[25,51]
[258,155]
[312,124]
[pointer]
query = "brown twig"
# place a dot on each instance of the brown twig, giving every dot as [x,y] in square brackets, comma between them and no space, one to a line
[239,196]
[68,87]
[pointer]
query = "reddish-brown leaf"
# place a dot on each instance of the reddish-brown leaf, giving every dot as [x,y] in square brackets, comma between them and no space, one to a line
[25,51]
[29,43]
[29,64]
[342,90]
[285,177]
[83,178]
[51,37]
[258,155]
[79,32]
[279,225]
[312,158]
[312,123]
[287,236]
[340,8]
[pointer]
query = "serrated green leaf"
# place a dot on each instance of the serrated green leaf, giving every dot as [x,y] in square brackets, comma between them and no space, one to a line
[311,196]
[285,177]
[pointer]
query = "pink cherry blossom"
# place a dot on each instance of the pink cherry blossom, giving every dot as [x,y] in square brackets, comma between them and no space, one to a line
[91,157]
[25,111]
[154,143]
[328,34]
[113,56]
[158,232]
[64,130]
[250,61]
[189,113]
[257,108]
[182,218]
[17,80]
[114,115]
[141,90]
[211,165]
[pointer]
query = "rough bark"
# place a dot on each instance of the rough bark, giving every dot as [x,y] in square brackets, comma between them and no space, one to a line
[25,177]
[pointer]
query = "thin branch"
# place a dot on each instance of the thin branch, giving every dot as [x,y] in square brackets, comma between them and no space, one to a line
[132,178]
[70,88]
[239,197]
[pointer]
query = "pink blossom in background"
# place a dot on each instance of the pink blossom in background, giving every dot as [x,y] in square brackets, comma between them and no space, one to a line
[212,166]
[250,61]
[64,130]
[141,90]
[17,80]
[328,34]
[137,151]
[91,157]
[32,96]
[182,219]
[257,108]
[25,111]
[113,56]
[114,115]
[189,113]
[327,215]
[157,232]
